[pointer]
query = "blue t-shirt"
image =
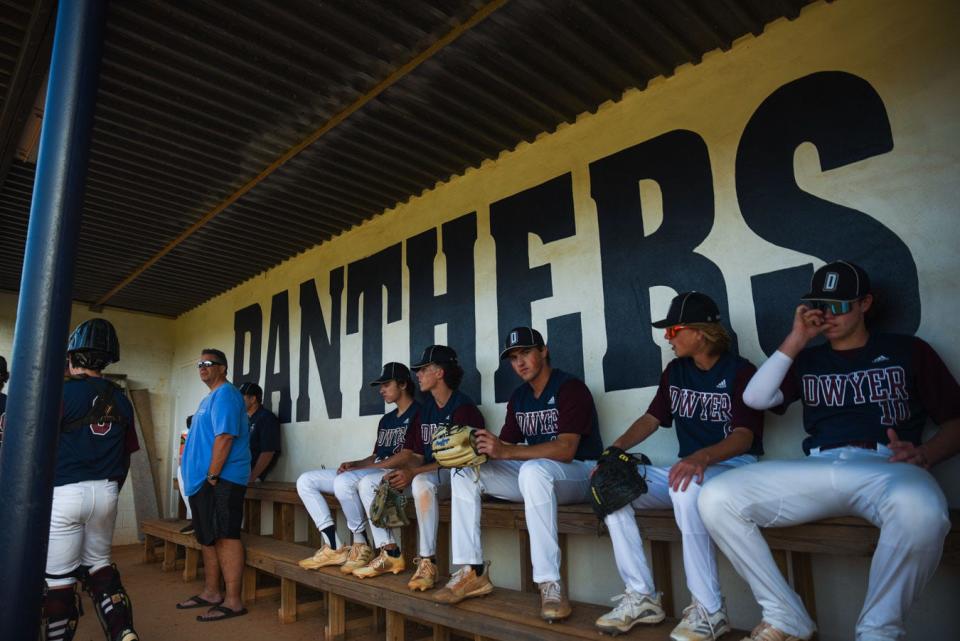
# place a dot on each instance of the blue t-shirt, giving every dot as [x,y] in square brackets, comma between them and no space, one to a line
[221,412]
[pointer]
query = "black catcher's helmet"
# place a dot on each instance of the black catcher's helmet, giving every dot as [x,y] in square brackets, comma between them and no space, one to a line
[94,344]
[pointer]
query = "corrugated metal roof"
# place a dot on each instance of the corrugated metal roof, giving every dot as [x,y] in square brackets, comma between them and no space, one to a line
[196,99]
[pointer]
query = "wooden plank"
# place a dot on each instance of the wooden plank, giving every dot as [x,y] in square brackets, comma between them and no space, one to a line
[150,548]
[408,542]
[441,633]
[144,468]
[526,567]
[249,585]
[803,581]
[314,537]
[190,565]
[379,617]
[251,520]
[288,601]
[336,617]
[169,556]
[661,566]
[283,520]
[443,549]
[780,556]
[562,544]
[395,626]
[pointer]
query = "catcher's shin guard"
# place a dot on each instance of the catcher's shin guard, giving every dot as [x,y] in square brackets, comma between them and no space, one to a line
[61,612]
[113,606]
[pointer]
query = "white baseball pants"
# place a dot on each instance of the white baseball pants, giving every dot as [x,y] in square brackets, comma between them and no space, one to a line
[699,554]
[903,500]
[541,484]
[186,501]
[426,489]
[311,485]
[82,519]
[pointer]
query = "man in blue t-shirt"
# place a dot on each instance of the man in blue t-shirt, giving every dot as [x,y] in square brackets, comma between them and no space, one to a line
[215,472]
[866,397]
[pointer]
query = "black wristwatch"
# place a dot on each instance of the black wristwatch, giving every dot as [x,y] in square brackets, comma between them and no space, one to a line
[213,477]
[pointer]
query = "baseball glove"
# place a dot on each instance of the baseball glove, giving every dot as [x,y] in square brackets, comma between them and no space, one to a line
[456,446]
[616,481]
[389,507]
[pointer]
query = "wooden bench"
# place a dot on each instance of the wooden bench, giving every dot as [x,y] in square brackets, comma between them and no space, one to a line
[505,614]
[168,532]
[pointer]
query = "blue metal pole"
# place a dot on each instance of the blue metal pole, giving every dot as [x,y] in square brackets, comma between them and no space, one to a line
[28,456]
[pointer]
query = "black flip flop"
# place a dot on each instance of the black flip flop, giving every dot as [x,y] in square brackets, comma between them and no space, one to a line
[198,602]
[227,614]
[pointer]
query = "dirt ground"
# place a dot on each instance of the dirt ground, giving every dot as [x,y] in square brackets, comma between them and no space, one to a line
[154,594]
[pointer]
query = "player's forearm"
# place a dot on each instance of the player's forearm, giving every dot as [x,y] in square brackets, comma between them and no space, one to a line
[221,450]
[736,443]
[403,458]
[944,444]
[638,432]
[556,450]
[260,465]
[367,461]
[763,390]
[428,467]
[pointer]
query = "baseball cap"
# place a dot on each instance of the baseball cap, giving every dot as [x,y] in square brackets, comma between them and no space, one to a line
[521,337]
[840,280]
[690,307]
[438,354]
[251,389]
[391,372]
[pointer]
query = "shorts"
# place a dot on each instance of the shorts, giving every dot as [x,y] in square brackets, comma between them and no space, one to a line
[217,511]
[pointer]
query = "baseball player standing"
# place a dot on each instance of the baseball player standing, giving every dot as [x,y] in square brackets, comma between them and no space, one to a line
[97,436]
[866,398]
[396,386]
[415,470]
[543,457]
[700,393]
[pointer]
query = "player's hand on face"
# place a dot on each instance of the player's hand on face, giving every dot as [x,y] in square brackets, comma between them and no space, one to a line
[808,323]
[905,451]
[685,470]
[489,444]
[399,479]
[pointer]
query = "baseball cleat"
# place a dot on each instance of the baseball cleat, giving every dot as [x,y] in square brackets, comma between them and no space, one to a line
[699,625]
[425,577]
[634,609]
[554,604]
[465,584]
[382,564]
[766,632]
[359,555]
[325,556]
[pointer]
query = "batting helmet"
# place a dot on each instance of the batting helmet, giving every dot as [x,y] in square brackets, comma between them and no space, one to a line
[94,344]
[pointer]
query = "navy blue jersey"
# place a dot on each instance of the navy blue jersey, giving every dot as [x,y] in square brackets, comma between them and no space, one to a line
[264,437]
[706,405]
[565,406]
[894,381]
[94,450]
[459,410]
[392,431]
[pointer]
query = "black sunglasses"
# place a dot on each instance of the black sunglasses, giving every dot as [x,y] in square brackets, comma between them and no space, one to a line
[203,364]
[835,307]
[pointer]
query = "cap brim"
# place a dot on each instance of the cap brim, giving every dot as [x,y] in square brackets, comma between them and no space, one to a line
[379,381]
[505,352]
[663,324]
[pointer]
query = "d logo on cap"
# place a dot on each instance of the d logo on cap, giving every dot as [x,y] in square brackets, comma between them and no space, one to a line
[830,281]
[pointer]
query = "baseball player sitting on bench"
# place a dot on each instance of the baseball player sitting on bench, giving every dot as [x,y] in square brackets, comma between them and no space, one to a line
[97,436]
[415,470]
[396,387]
[543,457]
[700,393]
[866,398]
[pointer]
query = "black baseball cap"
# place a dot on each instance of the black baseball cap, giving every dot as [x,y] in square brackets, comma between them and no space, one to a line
[251,389]
[391,372]
[690,307]
[521,337]
[840,280]
[438,354]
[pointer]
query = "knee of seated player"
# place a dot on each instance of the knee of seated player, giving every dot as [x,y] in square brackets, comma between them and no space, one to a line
[423,484]
[304,484]
[536,479]
[366,487]
[684,500]
[716,501]
[345,485]
[624,515]
[918,512]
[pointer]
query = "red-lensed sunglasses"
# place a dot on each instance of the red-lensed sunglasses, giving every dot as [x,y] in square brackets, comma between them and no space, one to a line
[671,332]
